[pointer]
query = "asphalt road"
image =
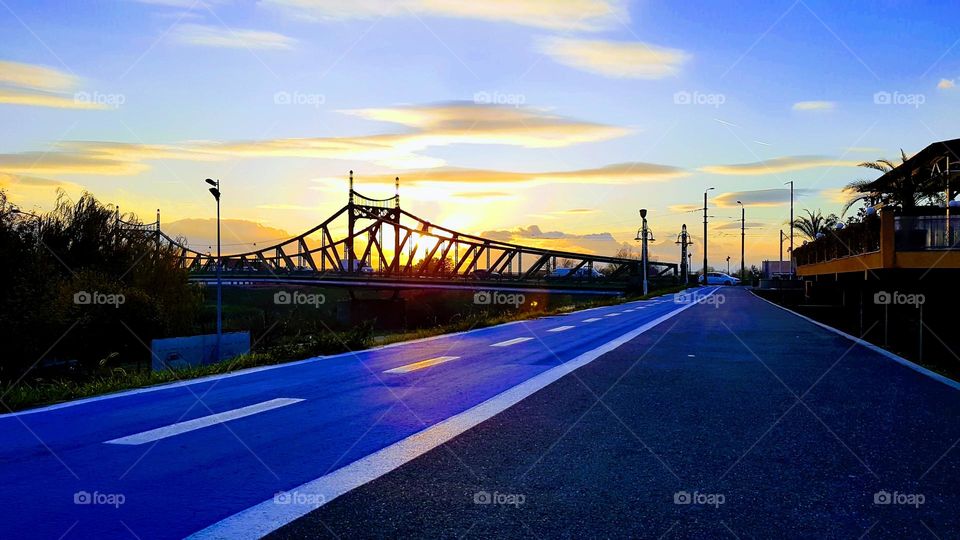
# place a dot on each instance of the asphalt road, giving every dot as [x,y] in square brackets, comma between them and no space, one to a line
[228,456]
[730,420]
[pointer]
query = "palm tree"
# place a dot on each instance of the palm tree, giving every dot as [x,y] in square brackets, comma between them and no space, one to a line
[904,191]
[815,223]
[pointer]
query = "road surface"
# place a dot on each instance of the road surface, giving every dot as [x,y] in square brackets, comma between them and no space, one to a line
[246,453]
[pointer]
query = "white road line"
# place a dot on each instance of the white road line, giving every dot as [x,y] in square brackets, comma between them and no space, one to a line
[510,342]
[421,364]
[268,516]
[592,319]
[612,315]
[200,423]
[559,329]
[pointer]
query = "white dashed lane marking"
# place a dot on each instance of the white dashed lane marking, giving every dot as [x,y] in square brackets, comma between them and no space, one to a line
[510,342]
[421,364]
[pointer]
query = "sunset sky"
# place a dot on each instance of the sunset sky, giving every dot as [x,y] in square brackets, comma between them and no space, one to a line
[549,122]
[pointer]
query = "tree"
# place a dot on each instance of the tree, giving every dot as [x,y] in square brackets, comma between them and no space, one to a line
[815,223]
[904,191]
[76,290]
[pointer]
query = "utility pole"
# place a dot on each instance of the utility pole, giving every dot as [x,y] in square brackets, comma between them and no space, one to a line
[728,265]
[791,227]
[705,235]
[743,236]
[684,241]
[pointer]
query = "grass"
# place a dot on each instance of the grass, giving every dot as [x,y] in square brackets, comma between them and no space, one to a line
[23,395]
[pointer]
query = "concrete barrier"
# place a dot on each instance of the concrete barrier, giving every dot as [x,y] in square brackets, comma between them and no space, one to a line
[174,353]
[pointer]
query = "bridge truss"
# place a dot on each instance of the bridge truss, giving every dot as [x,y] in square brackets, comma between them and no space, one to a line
[376,238]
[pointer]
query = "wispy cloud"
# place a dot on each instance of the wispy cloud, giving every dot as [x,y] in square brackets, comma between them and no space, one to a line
[620,173]
[218,36]
[427,126]
[40,86]
[602,243]
[617,59]
[778,165]
[760,197]
[582,15]
[814,106]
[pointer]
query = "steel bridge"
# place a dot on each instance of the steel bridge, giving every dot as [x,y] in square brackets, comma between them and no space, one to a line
[376,243]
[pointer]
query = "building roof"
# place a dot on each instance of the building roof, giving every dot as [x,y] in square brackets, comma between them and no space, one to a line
[933,161]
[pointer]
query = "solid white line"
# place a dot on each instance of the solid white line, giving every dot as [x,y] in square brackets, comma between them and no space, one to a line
[898,359]
[421,364]
[268,516]
[202,422]
[592,319]
[560,329]
[510,342]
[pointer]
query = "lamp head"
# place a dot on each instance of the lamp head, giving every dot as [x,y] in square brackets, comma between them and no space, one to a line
[212,182]
[215,192]
[643,213]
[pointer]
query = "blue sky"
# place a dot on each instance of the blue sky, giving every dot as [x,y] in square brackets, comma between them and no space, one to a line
[541,102]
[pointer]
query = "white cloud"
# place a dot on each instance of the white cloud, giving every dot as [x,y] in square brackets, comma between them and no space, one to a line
[617,59]
[217,36]
[582,15]
[778,165]
[40,86]
[946,84]
[814,106]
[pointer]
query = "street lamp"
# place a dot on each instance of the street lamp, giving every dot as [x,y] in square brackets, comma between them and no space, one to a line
[215,191]
[743,228]
[645,235]
[728,265]
[705,234]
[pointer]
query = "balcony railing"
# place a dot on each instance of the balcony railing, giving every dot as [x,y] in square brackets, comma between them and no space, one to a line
[855,239]
[927,232]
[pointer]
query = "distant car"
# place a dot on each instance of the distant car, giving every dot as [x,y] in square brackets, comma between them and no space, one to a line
[358,266]
[581,273]
[484,274]
[718,278]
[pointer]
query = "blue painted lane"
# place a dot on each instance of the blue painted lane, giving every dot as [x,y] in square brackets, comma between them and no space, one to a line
[61,475]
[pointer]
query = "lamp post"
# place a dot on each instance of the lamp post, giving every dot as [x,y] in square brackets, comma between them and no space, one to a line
[705,234]
[645,235]
[728,265]
[791,227]
[215,191]
[743,237]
